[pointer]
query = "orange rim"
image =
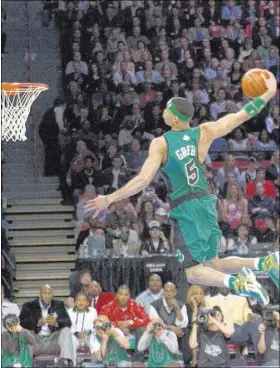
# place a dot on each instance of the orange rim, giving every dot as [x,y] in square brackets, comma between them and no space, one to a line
[14,88]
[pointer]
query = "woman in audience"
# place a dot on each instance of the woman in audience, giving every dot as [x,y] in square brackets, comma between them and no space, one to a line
[273,119]
[270,233]
[263,146]
[107,160]
[127,58]
[94,80]
[246,50]
[137,55]
[235,205]
[146,215]
[82,317]
[240,245]
[195,299]
[234,76]
[229,166]
[239,142]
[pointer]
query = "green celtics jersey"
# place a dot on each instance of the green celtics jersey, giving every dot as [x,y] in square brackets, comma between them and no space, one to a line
[185,173]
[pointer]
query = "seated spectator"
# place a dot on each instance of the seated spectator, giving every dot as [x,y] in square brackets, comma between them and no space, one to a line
[95,228]
[149,194]
[162,344]
[165,61]
[148,74]
[112,344]
[266,343]
[16,342]
[246,50]
[49,324]
[228,175]
[126,246]
[235,205]
[127,58]
[118,77]
[269,188]
[82,317]
[195,299]
[7,307]
[119,217]
[113,41]
[270,232]
[220,105]
[239,143]
[252,230]
[218,149]
[171,312]
[107,160]
[88,176]
[235,308]
[198,33]
[161,216]
[80,286]
[133,40]
[154,292]
[127,315]
[156,243]
[94,79]
[231,12]
[146,215]
[137,54]
[273,119]
[77,58]
[262,145]
[98,297]
[136,157]
[115,176]
[250,174]
[260,205]
[240,244]
[272,172]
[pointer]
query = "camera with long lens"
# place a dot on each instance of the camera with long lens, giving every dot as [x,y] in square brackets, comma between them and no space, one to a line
[203,315]
[10,321]
[267,313]
[156,326]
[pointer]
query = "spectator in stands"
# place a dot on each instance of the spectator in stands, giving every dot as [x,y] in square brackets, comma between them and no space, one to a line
[272,120]
[88,176]
[239,142]
[95,228]
[77,58]
[83,280]
[234,308]
[218,150]
[82,317]
[260,205]
[15,343]
[50,325]
[126,246]
[266,343]
[112,343]
[162,344]
[235,205]
[115,176]
[250,174]
[262,145]
[240,245]
[231,12]
[99,298]
[269,188]
[107,160]
[136,157]
[272,172]
[119,217]
[270,232]
[220,105]
[161,216]
[252,230]
[229,166]
[165,61]
[127,315]
[198,33]
[156,243]
[146,215]
[154,292]
[7,308]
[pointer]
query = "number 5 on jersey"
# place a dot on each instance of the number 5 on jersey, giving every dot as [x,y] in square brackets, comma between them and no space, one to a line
[191,172]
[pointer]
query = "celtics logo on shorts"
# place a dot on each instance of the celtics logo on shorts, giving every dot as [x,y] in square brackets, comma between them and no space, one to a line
[180,256]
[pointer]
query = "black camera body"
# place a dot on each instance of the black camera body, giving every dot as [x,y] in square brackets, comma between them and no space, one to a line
[156,326]
[267,313]
[10,321]
[202,316]
[105,326]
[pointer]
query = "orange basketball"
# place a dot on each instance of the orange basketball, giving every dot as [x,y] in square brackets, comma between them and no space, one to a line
[253,84]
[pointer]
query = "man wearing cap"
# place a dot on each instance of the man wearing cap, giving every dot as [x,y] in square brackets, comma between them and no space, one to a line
[182,152]
[157,243]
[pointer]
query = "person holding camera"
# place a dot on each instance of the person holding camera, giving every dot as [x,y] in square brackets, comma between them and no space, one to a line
[14,343]
[162,344]
[209,335]
[112,344]
[266,343]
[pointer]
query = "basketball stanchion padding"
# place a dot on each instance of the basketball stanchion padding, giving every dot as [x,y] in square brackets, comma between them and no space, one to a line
[16,101]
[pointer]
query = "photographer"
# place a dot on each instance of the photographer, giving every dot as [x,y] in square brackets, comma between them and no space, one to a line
[112,343]
[14,343]
[162,345]
[267,342]
[209,335]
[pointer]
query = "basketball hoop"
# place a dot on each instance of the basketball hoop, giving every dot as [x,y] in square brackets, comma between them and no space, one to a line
[16,101]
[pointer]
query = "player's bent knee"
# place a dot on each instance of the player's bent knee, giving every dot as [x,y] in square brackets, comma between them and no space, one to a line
[193,274]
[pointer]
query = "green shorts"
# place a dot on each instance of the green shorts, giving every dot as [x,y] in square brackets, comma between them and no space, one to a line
[197,234]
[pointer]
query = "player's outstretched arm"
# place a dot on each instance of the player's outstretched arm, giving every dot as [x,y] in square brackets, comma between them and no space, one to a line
[223,126]
[157,151]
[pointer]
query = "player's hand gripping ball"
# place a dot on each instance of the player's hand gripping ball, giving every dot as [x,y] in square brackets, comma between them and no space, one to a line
[253,84]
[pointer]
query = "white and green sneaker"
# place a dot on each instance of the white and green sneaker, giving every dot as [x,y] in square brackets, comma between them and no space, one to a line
[246,284]
[272,267]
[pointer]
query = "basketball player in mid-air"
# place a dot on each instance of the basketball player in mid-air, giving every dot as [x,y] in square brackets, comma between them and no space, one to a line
[181,153]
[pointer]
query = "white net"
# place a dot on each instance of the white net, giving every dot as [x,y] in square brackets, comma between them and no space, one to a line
[16,101]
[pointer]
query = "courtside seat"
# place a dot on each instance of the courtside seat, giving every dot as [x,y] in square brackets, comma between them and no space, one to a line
[44,360]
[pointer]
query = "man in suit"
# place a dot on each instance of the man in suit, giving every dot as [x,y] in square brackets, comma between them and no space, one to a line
[98,297]
[115,176]
[50,324]
[180,51]
[126,245]
[235,308]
